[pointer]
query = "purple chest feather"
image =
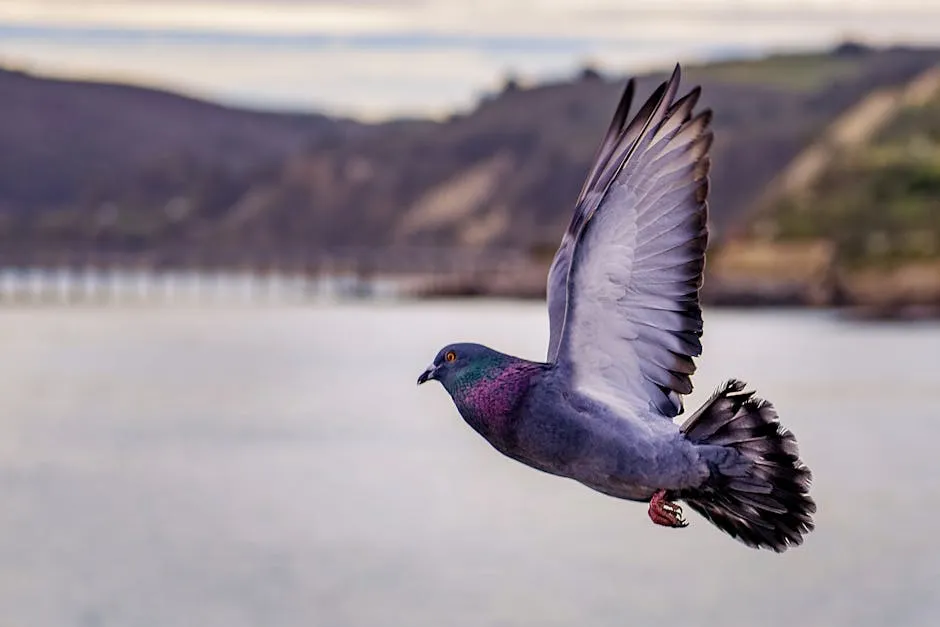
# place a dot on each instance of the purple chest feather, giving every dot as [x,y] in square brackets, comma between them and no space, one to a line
[493,394]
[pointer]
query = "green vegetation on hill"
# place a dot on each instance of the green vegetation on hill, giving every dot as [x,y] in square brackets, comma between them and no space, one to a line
[879,203]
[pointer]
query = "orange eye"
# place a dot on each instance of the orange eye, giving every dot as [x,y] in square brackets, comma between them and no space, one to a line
[450,356]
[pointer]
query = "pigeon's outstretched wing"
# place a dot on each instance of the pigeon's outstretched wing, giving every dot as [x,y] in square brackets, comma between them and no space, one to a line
[557,294]
[633,257]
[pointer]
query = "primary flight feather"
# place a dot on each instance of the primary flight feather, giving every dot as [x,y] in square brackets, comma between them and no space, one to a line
[625,325]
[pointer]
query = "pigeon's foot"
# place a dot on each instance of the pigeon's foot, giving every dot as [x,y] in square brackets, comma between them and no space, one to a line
[665,513]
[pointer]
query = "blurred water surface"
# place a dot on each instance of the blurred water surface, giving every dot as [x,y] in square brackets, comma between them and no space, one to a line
[278,466]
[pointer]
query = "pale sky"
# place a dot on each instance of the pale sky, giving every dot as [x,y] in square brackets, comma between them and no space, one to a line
[375,58]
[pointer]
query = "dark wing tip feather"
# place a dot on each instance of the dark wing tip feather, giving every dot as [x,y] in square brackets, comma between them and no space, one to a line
[672,85]
[686,103]
[701,175]
[676,74]
[703,144]
[623,108]
[646,111]
[706,116]
[606,149]
[619,133]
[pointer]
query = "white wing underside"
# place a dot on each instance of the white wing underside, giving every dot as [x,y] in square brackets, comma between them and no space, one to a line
[624,285]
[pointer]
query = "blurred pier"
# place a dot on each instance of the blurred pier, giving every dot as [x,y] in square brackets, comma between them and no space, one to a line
[347,273]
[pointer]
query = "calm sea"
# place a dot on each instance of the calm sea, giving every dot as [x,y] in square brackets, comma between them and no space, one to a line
[279,467]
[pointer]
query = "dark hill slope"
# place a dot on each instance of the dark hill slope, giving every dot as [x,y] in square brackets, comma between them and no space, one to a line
[109,167]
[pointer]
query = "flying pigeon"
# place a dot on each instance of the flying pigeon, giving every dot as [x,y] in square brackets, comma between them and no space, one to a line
[625,325]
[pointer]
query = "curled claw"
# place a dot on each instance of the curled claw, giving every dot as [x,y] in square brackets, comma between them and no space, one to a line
[666,513]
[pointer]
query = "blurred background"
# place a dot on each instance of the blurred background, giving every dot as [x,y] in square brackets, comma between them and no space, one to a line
[232,234]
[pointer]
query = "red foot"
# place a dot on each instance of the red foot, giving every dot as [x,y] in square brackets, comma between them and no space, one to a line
[666,513]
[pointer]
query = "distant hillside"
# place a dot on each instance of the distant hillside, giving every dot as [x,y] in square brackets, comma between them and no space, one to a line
[107,167]
[60,138]
[85,160]
[870,210]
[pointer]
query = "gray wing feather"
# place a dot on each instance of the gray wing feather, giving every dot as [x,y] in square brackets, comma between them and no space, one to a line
[633,260]
[558,273]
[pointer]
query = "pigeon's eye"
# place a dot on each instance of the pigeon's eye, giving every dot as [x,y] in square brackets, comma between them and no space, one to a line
[450,356]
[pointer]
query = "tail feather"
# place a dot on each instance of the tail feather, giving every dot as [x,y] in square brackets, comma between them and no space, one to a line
[760,493]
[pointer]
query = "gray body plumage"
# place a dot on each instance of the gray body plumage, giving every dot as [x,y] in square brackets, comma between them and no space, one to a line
[625,327]
[567,433]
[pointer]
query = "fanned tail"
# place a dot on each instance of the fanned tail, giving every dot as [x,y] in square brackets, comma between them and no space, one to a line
[758,492]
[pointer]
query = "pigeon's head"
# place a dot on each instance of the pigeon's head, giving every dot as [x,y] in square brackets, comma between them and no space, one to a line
[463,363]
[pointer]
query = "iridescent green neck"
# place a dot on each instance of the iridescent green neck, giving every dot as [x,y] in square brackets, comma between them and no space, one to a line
[488,393]
[482,369]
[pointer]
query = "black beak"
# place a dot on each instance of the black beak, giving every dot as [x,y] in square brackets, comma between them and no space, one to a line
[427,375]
